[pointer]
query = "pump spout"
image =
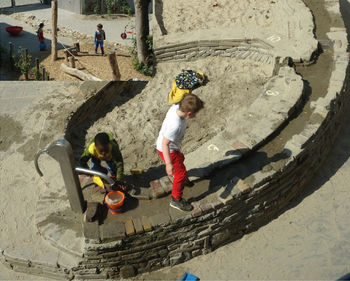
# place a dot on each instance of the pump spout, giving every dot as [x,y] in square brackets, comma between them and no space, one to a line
[81,170]
[41,151]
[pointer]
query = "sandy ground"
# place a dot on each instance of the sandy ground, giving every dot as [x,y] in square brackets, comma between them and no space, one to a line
[233,85]
[208,14]
[309,241]
[90,63]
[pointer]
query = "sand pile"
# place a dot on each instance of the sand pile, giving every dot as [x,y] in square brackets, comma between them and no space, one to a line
[278,16]
[207,14]
[232,86]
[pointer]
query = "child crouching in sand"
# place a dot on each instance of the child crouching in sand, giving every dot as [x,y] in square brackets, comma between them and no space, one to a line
[104,148]
[169,141]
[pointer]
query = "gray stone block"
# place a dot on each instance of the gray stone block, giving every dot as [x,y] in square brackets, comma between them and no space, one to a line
[138,225]
[176,259]
[91,232]
[127,271]
[112,231]
[162,219]
[178,216]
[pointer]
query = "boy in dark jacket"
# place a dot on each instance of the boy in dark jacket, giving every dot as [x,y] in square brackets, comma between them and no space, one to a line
[100,36]
[104,148]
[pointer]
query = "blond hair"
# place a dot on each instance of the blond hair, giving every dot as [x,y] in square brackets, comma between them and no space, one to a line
[191,103]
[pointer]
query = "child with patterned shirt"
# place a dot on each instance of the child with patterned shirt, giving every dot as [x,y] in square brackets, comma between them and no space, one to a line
[99,37]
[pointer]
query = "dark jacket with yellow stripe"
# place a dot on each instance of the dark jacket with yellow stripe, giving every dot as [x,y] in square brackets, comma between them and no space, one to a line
[113,155]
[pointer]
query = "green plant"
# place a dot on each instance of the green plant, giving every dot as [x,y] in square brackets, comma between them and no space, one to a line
[124,7]
[109,6]
[147,69]
[96,9]
[36,73]
[21,62]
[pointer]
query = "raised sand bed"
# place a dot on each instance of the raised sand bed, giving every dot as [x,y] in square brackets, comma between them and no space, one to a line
[145,244]
[222,216]
[285,25]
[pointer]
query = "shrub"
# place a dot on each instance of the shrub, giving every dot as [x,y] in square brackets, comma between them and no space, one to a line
[21,63]
[147,69]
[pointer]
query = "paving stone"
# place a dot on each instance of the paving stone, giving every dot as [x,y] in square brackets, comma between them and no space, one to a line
[138,225]
[160,219]
[157,188]
[216,203]
[177,215]
[112,231]
[129,227]
[92,211]
[243,186]
[166,184]
[224,193]
[241,147]
[197,211]
[205,206]
[146,223]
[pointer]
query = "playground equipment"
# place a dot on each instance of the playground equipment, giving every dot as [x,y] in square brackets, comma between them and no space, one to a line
[14,30]
[61,151]
[131,31]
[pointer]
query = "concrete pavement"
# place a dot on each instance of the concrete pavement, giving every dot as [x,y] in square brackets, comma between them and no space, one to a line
[84,24]
[27,38]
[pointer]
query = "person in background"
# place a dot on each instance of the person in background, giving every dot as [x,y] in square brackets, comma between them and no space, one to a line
[40,34]
[100,36]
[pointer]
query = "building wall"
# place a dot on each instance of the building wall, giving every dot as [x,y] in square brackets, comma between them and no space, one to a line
[70,5]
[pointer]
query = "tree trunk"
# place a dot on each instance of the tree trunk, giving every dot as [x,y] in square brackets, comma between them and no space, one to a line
[78,73]
[142,28]
[54,30]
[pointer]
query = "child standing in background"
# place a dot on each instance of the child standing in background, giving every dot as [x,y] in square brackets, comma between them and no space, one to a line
[40,34]
[100,35]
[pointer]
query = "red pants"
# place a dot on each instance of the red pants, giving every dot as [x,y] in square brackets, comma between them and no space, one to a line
[179,172]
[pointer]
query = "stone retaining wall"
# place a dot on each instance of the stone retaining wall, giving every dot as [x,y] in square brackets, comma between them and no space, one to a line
[104,100]
[253,49]
[150,243]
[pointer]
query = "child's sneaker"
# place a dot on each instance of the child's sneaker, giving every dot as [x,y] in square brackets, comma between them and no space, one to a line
[181,204]
[103,54]
[189,183]
[95,52]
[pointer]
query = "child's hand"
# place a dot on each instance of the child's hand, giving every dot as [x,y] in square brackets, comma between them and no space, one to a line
[169,169]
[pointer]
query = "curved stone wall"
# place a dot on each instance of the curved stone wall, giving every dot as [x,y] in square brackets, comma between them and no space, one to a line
[149,243]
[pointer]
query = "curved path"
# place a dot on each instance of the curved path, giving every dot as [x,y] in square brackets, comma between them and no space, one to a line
[311,224]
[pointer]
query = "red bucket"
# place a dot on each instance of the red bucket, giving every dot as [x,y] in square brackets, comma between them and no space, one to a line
[14,30]
[114,201]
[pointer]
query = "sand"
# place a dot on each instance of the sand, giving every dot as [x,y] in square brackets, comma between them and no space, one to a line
[241,15]
[204,14]
[232,86]
[95,65]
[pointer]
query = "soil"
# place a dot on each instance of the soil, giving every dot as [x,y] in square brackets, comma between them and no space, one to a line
[87,61]
[232,86]
[10,132]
